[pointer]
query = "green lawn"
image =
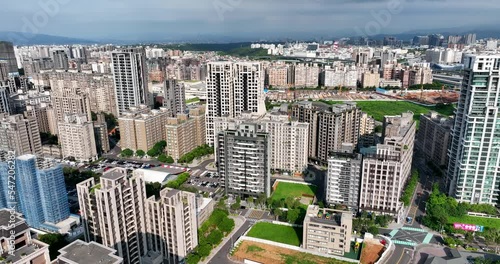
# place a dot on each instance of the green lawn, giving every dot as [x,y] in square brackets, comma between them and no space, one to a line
[379,109]
[473,220]
[277,233]
[286,189]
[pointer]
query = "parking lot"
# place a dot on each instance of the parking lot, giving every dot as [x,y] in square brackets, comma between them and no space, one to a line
[204,181]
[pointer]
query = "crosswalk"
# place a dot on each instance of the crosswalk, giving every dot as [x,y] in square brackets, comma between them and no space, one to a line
[413,229]
[404,243]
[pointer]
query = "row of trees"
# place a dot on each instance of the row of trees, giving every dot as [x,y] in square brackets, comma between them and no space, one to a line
[410,188]
[210,235]
[155,187]
[370,223]
[74,176]
[198,152]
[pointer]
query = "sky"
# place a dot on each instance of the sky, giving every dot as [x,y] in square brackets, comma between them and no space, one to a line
[241,19]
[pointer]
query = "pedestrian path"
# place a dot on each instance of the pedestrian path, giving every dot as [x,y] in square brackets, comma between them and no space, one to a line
[427,238]
[393,232]
[413,229]
[404,243]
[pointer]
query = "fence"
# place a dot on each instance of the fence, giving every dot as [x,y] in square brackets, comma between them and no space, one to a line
[272,243]
[285,224]
[482,215]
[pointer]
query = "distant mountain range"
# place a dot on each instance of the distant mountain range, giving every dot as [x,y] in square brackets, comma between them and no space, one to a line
[19,38]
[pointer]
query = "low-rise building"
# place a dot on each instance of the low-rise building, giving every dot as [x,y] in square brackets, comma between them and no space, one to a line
[185,132]
[327,231]
[80,252]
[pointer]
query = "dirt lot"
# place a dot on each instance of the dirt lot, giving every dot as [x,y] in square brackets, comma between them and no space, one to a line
[265,254]
[371,252]
[433,97]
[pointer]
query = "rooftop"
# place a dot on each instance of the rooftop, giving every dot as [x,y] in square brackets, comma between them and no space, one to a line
[81,252]
[114,174]
[325,216]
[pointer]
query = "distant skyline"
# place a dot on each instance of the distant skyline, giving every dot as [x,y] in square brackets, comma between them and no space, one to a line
[168,20]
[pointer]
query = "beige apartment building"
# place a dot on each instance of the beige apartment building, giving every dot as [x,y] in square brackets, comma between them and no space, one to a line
[70,102]
[26,249]
[39,113]
[185,132]
[327,231]
[113,213]
[387,167]
[76,136]
[101,134]
[433,137]
[306,75]
[20,134]
[172,226]
[278,75]
[370,79]
[141,128]
[329,126]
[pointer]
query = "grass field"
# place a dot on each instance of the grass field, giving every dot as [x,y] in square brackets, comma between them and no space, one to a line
[379,109]
[473,220]
[277,233]
[286,189]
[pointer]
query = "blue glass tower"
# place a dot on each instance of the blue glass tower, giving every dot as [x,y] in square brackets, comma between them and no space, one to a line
[3,184]
[27,190]
[53,194]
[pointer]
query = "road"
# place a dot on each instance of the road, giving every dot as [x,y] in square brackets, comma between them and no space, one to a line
[221,256]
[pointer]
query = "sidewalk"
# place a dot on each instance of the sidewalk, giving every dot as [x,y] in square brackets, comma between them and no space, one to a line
[238,222]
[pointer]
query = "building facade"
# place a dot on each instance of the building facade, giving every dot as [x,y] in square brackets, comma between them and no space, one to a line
[77,138]
[474,160]
[185,132]
[113,213]
[327,231]
[141,128]
[130,78]
[433,138]
[20,135]
[172,226]
[233,88]
[174,97]
[243,160]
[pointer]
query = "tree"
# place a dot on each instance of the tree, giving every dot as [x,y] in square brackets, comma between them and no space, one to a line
[169,160]
[383,220]
[292,215]
[55,242]
[162,158]
[493,235]
[127,153]
[204,250]
[193,258]
[215,237]
[373,230]
[226,225]
[140,153]
[250,200]
[278,213]
[153,189]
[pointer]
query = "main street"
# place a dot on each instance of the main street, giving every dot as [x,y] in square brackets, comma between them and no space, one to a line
[221,257]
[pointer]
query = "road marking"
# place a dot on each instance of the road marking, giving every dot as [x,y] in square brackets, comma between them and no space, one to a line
[413,229]
[405,243]
[427,238]
[400,258]
[393,232]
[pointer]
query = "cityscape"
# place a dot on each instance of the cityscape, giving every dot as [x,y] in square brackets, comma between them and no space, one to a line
[372,143]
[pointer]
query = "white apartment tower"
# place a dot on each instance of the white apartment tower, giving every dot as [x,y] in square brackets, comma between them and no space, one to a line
[233,88]
[113,213]
[76,136]
[171,226]
[174,97]
[474,165]
[130,77]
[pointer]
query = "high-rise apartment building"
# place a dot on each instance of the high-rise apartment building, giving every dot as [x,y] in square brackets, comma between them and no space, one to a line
[4,98]
[174,97]
[278,75]
[370,79]
[113,213]
[131,80]
[433,138]
[185,132]
[77,139]
[343,177]
[39,113]
[306,75]
[329,126]
[70,101]
[40,191]
[7,54]
[60,59]
[233,88]
[243,160]
[141,128]
[171,226]
[288,139]
[25,249]
[327,231]
[387,167]
[474,160]
[20,135]
[101,135]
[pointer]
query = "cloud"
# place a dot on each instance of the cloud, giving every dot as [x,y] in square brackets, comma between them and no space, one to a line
[134,19]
